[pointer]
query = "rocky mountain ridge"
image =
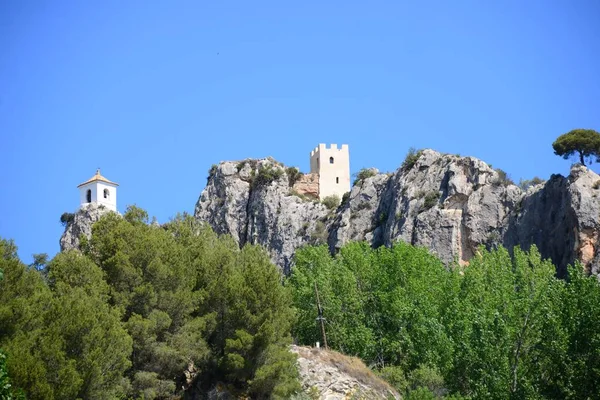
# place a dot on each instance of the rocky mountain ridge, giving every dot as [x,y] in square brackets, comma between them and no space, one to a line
[449,204]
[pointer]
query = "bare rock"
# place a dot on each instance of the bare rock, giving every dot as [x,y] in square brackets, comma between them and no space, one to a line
[449,204]
[81,224]
[334,376]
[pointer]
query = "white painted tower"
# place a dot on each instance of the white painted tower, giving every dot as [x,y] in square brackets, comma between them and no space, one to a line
[333,167]
[98,190]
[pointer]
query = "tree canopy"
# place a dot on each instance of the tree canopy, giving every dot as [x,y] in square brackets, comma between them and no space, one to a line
[147,312]
[584,143]
[503,327]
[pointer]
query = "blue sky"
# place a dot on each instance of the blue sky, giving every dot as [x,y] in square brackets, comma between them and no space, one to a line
[155,92]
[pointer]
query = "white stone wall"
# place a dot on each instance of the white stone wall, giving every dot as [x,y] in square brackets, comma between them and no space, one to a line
[97,189]
[334,178]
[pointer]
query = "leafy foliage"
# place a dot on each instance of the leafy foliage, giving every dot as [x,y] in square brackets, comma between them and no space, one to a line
[67,218]
[331,202]
[525,184]
[502,178]
[584,143]
[504,327]
[146,312]
[364,174]
[266,175]
[431,199]
[411,158]
[293,175]
[7,391]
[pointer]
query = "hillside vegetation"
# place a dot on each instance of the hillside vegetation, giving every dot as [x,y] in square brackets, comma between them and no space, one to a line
[503,328]
[147,312]
[175,311]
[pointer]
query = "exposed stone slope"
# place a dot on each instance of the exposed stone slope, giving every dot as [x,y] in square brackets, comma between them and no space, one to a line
[447,203]
[333,376]
[82,223]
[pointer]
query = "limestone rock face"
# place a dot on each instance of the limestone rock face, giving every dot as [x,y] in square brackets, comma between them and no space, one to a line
[252,200]
[82,223]
[333,376]
[308,185]
[562,218]
[449,204]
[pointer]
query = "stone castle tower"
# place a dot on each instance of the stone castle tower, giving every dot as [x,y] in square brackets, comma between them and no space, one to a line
[98,190]
[332,166]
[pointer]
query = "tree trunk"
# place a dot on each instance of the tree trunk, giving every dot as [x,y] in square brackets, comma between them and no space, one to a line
[581,157]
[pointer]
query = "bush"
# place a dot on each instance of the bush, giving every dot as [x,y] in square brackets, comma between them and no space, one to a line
[364,174]
[346,198]
[293,175]
[266,175]
[525,184]
[67,218]
[596,184]
[502,179]
[240,165]
[211,172]
[411,158]
[431,199]
[331,202]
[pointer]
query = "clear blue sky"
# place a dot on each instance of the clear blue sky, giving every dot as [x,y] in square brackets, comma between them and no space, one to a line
[155,92]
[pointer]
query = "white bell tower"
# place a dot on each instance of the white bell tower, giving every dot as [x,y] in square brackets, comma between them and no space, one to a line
[98,190]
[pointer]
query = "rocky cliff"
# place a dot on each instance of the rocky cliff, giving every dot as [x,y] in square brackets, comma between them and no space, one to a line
[450,204]
[81,224]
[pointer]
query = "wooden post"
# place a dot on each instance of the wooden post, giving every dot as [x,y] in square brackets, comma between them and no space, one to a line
[320,318]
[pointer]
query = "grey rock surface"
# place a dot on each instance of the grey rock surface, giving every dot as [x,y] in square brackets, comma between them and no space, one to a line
[334,376]
[449,204]
[82,223]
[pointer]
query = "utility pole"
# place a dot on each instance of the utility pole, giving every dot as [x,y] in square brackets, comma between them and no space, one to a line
[320,318]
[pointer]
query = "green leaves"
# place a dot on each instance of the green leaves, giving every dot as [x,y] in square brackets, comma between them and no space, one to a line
[147,312]
[581,142]
[502,327]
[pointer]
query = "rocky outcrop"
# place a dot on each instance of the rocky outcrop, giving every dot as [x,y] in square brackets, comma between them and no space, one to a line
[329,375]
[307,185]
[81,224]
[450,204]
[252,201]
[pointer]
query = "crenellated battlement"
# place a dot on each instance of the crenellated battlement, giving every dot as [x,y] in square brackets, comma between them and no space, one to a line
[323,146]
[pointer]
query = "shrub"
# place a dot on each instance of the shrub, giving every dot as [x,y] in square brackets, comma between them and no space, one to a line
[596,184]
[240,165]
[346,198]
[67,218]
[293,175]
[364,174]
[525,184]
[266,175]
[502,179]
[331,202]
[411,158]
[211,172]
[431,199]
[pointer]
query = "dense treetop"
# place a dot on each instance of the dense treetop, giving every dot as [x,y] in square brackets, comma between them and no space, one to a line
[584,143]
[147,312]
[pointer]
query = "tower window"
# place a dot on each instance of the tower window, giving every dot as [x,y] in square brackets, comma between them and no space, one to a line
[330,160]
[337,179]
[89,195]
[106,194]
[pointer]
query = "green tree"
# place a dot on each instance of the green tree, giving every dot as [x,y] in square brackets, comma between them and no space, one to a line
[582,142]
